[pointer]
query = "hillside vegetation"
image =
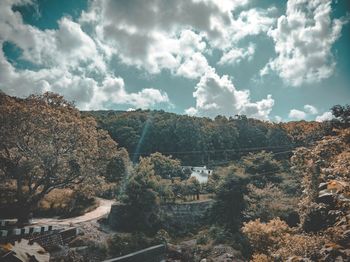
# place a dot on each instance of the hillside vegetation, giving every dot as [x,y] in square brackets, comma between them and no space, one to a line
[200,140]
[278,191]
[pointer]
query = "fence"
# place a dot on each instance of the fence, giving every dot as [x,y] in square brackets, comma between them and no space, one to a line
[151,254]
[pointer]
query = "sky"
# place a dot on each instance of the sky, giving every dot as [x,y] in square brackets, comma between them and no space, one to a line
[272,60]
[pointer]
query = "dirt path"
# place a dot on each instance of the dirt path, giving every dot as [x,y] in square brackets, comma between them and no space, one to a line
[102,210]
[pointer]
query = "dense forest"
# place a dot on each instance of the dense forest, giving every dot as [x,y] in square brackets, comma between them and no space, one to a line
[204,141]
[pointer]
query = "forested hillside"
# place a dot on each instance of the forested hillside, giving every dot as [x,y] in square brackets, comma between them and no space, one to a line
[200,140]
[276,192]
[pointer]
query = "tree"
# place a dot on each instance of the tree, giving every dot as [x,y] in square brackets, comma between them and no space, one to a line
[178,188]
[117,168]
[230,204]
[46,144]
[166,167]
[194,187]
[342,113]
[269,202]
[262,168]
[141,196]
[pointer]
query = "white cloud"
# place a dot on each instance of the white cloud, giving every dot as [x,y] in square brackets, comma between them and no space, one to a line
[194,67]
[113,90]
[324,117]
[310,109]
[278,119]
[191,111]
[85,91]
[151,34]
[297,114]
[236,55]
[67,46]
[70,62]
[217,95]
[303,41]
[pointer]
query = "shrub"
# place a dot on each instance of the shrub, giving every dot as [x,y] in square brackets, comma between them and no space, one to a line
[121,244]
[277,240]
[202,238]
[64,202]
[268,202]
[265,237]
[261,258]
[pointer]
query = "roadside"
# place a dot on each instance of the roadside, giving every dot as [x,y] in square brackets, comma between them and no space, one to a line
[102,210]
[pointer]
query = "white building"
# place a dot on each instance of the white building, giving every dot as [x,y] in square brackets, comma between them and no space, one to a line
[201,173]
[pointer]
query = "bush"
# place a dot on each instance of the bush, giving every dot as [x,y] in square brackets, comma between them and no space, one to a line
[122,244]
[265,237]
[268,202]
[275,239]
[202,238]
[64,202]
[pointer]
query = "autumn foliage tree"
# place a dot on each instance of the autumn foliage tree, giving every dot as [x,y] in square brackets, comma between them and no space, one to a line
[45,144]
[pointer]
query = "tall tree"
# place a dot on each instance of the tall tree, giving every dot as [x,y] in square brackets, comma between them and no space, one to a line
[165,166]
[342,113]
[141,197]
[46,144]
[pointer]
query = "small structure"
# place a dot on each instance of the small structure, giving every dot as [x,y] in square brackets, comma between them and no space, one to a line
[201,173]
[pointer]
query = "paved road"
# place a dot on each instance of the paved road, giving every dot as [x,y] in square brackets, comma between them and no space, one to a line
[102,210]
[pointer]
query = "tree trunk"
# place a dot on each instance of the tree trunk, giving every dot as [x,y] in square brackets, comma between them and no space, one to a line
[24,214]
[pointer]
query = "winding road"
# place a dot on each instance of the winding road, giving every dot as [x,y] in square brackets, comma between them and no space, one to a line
[102,210]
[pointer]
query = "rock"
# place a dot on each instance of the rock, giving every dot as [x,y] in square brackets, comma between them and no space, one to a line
[326,197]
[204,260]
[316,218]
[322,186]
[346,237]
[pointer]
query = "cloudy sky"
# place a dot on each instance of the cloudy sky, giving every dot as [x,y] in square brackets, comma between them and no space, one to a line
[273,60]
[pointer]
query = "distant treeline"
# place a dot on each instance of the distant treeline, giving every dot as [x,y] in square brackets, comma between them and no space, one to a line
[201,140]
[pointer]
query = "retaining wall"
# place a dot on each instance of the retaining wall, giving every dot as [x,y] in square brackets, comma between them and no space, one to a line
[174,216]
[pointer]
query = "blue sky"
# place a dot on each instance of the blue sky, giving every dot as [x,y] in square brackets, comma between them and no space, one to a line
[272,60]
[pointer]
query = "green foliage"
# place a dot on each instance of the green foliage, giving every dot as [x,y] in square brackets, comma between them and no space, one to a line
[229,203]
[220,234]
[117,168]
[166,167]
[202,238]
[269,202]
[194,187]
[142,185]
[262,167]
[342,113]
[140,194]
[206,140]
[122,244]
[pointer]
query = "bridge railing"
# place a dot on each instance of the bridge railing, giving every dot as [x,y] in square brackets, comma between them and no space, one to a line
[151,254]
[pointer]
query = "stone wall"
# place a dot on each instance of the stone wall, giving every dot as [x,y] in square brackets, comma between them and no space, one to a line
[183,217]
[179,217]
